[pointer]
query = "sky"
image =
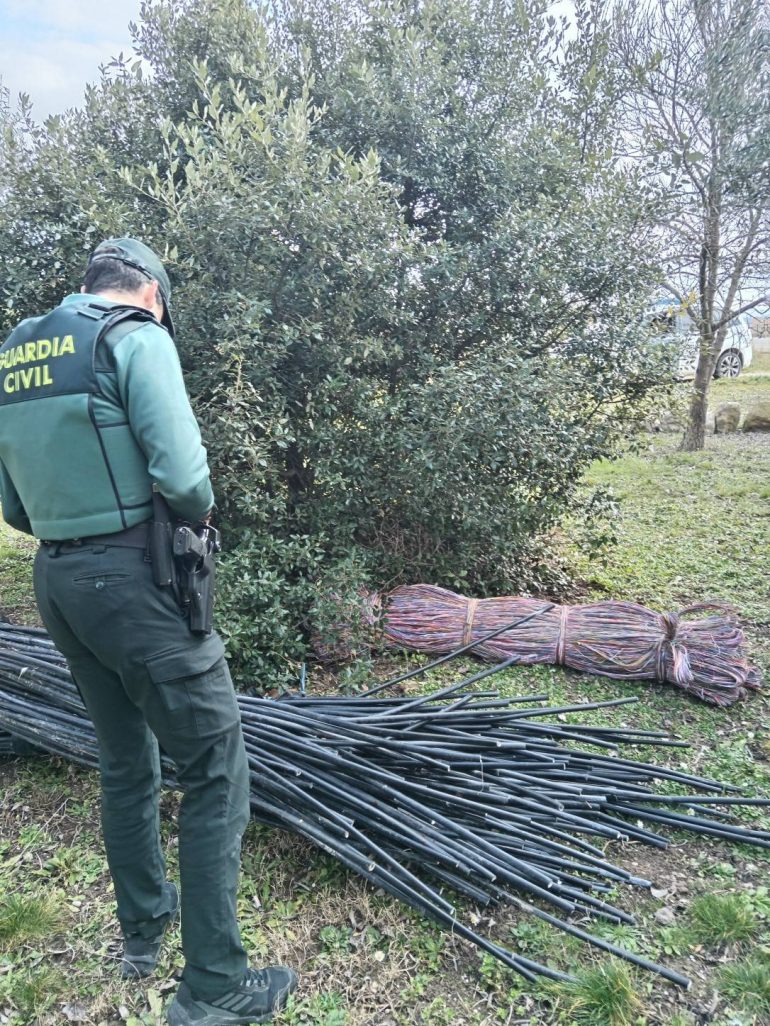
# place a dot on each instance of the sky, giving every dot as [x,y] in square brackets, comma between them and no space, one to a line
[50,49]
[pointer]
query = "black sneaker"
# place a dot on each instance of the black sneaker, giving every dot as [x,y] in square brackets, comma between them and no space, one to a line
[263,992]
[140,955]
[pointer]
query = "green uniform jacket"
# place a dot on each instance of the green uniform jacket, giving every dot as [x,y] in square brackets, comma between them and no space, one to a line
[87,427]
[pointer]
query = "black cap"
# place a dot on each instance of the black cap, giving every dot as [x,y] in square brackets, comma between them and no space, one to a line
[135,254]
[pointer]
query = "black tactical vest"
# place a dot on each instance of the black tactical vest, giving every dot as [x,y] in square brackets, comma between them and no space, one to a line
[57,354]
[66,466]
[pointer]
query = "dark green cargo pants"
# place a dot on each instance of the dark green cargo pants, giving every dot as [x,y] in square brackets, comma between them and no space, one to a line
[142,673]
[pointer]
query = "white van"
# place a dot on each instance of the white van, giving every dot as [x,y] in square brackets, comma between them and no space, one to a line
[676,325]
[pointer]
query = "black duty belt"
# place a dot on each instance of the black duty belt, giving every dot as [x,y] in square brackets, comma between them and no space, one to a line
[132,538]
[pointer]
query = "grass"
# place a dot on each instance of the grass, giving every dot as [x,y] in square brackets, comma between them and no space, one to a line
[320,1010]
[29,993]
[25,917]
[722,919]
[603,995]
[17,552]
[689,527]
[747,984]
[682,1019]
[748,388]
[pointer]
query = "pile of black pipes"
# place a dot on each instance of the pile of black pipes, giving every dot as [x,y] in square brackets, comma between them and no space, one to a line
[9,745]
[457,793]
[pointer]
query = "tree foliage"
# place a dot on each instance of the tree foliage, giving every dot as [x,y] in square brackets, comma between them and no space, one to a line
[408,268]
[697,112]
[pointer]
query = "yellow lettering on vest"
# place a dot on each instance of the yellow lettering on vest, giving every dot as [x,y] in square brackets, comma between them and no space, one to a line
[47,379]
[44,349]
[18,354]
[8,383]
[67,345]
[2,360]
[29,352]
[27,376]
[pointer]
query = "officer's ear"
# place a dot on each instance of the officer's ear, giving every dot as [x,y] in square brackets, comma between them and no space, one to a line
[150,298]
[156,300]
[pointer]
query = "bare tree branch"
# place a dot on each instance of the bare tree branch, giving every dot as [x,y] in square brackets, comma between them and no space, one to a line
[742,310]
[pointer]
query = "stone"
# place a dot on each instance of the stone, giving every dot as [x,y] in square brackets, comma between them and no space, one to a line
[665,916]
[727,418]
[758,418]
[664,421]
[74,1012]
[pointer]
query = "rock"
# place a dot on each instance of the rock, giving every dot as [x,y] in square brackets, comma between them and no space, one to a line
[664,420]
[758,418]
[665,916]
[727,418]
[75,1012]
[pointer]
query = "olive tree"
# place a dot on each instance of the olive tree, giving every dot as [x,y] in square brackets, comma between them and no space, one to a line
[697,113]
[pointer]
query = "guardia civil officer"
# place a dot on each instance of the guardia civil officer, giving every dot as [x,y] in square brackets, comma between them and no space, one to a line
[93,414]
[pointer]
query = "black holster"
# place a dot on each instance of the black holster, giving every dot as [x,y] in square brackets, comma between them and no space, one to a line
[161,542]
[194,552]
[182,559]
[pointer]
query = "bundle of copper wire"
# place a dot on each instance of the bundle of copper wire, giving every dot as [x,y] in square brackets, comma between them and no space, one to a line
[699,649]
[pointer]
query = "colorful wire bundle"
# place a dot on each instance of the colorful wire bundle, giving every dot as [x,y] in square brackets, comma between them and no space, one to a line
[702,655]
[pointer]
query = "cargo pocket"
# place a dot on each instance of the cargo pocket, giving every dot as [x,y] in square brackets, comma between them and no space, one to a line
[194,687]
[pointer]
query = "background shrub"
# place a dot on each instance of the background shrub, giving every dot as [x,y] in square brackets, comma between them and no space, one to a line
[408,267]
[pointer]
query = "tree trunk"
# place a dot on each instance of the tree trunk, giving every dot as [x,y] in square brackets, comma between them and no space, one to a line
[694,438]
